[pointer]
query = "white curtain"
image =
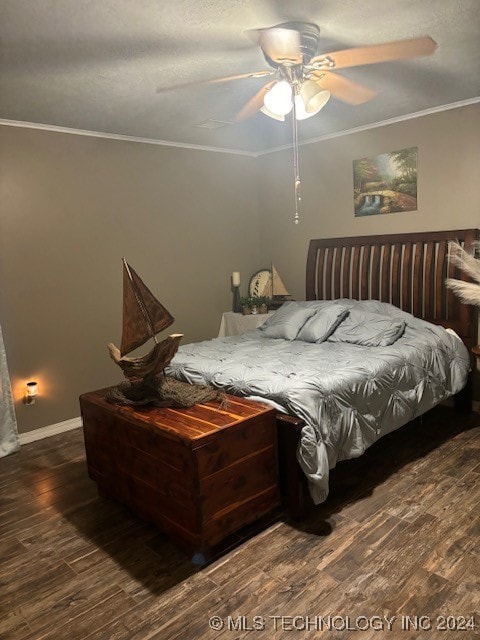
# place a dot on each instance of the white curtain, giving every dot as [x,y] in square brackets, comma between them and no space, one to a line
[8,424]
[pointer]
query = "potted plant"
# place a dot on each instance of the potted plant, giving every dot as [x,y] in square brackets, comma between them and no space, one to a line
[253,304]
[262,304]
[245,305]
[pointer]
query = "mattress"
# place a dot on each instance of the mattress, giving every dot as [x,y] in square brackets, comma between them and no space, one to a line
[349,395]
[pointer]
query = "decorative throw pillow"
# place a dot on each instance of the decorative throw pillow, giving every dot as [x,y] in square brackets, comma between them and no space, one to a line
[368,329]
[322,324]
[287,321]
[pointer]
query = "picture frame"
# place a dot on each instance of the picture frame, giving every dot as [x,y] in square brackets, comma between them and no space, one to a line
[385,183]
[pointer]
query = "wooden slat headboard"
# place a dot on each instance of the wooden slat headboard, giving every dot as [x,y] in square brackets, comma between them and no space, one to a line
[407,270]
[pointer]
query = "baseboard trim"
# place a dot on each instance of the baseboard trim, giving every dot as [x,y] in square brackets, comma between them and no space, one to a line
[49,430]
[76,423]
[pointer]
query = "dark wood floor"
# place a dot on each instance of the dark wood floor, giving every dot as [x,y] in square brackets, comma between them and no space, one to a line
[397,537]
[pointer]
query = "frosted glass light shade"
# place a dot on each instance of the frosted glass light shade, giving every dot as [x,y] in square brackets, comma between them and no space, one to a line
[300,112]
[272,115]
[279,99]
[313,97]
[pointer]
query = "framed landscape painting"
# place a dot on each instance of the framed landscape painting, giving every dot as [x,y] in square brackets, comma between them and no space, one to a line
[386,183]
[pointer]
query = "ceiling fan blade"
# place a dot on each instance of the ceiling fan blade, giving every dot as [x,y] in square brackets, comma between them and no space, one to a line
[343,88]
[254,104]
[378,53]
[253,74]
[281,45]
[196,83]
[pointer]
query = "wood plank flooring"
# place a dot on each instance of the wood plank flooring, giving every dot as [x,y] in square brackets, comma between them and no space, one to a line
[398,537]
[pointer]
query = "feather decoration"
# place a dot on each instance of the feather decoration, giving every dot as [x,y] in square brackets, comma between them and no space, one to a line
[468,292]
[466,261]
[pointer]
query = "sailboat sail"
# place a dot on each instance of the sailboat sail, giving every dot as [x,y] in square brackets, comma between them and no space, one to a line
[278,288]
[143,314]
[273,286]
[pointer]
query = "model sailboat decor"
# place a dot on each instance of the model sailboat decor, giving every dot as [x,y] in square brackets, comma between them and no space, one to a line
[268,284]
[143,317]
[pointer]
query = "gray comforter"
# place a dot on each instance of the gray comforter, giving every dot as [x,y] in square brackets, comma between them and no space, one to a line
[349,395]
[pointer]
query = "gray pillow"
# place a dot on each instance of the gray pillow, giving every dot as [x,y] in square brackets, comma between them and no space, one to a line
[368,329]
[322,324]
[287,321]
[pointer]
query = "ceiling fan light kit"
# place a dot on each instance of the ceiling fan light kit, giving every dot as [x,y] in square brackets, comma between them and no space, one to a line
[309,99]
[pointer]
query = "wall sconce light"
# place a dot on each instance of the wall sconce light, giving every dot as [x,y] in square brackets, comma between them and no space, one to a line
[31,392]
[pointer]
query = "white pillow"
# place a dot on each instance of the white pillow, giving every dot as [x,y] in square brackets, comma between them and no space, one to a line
[287,321]
[368,329]
[322,324]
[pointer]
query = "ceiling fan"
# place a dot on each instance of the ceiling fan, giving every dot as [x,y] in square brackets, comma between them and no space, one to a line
[305,79]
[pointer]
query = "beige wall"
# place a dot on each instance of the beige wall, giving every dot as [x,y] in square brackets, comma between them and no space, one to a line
[71,207]
[448,190]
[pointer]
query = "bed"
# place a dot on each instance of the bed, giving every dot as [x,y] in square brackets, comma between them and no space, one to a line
[340,398]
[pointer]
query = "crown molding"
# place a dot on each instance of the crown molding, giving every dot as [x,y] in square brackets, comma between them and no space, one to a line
[122,138]
[375,125]
[252,154]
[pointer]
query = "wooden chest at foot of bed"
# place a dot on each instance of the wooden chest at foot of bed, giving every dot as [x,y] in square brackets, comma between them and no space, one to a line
[199,474]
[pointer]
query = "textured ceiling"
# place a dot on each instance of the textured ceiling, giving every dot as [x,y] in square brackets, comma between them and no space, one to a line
[112,65]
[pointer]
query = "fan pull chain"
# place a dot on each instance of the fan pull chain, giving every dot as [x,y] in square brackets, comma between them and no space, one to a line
[296,173]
